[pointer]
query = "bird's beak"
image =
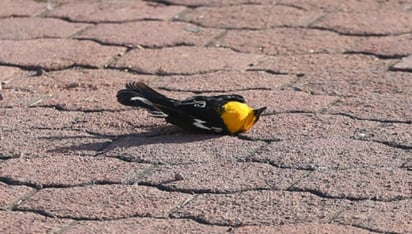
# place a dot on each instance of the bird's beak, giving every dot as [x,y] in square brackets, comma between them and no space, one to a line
[258,112]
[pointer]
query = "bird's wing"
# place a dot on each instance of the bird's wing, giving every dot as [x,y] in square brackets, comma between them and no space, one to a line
[140,95]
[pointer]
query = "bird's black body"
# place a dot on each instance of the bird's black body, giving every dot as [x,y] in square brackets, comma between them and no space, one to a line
[195,113]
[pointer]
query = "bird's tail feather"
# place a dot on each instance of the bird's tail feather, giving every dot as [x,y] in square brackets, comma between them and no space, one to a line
[140,95]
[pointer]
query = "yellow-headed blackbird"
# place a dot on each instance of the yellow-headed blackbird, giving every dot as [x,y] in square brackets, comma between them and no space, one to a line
[224,114]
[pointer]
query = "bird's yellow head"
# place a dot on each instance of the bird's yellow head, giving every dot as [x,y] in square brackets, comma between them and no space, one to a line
[239,117]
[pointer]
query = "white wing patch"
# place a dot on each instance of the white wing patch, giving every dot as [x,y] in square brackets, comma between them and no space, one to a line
[217,129]
[158,114]
[142,99]
[200,124]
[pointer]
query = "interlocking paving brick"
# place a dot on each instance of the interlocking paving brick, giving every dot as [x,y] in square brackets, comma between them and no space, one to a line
[379,216]
[9,195]
[184,60]
[72,171]
[301,228]
[278,41]
[408,165]
[345,6]
[114,11]
[392,133]
[365,183]
[385,107]
[73,89]
[249,16]
[223,81]
[56,53]
[8,73]
[24,222]
[21,98]
[130,122]
[260,207]
[104,202]
[29,28]
[390,46]
[395,82]
[343,75]
[11,8]
[35,118]
[323,64]
[404,65]
[330,153]
[150,34]
[352,84]
[216,2]
[145,226]
[382,22]
[295,126]
[41,142]
[182,148]
[287,101]
[216,177]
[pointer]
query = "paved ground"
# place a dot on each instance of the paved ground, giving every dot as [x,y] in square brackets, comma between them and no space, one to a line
[333,153]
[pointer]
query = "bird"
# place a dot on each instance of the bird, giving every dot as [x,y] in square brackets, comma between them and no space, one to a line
[221,114]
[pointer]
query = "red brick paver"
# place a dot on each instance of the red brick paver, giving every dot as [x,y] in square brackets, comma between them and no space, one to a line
[332,154]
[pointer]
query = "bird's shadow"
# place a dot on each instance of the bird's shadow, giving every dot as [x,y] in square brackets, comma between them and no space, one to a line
[102,143]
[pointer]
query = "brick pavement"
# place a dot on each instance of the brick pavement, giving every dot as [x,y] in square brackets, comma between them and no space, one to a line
[333,153]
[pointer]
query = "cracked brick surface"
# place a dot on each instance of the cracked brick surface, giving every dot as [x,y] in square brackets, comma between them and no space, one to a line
[380,184]
[363,83]
[378,216]
[53,54]
[42,171]
[322,64]
[294,126]
[278,41]
[367,23]
[145,226]
[346,6]
[123,123]
[404,65]
[393,107]
[288,101]
[408,165]
[8,73]
[301,228]
[25,143]
[181,148]
[29,222]
[28,28]
[233,81]
[249,16]
[104,202]
[331,154]
[194,3]
[91,90]
[12,8]
[390,46]
[10,195]
[218,177]
[35,118]
[261,207]
[166,34]
[112,11]
[184,60]
[391,133]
